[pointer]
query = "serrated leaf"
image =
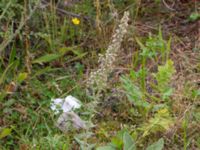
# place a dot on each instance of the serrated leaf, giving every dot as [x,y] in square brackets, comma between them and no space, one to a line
[159,123]
[163,77]
[159,145]
[47,58]
[165,73]
[5,132]
[129,143]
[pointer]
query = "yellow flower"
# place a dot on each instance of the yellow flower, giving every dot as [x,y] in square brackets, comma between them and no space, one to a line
[75,21]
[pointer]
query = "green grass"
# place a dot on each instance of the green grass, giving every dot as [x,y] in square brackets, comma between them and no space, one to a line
[152,104]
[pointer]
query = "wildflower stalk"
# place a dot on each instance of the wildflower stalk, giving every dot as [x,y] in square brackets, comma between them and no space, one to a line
[98,79]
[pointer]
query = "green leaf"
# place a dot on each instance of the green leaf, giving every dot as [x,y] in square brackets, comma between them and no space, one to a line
[129,144]
[106,148]
[195,93]
[5,132]
[79,56]
[47,58]
[43,71]
[21,77]
[167,93]
[117,142]
[194,17]
[64,50]
[133,93]
[3,75]
[163,77]
[12,55]
[161,122]
[159,145]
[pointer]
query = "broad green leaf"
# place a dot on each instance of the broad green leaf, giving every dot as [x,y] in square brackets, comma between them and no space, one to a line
[117,141]
[47,58]
[106,148]
[129,144]
[159,145]
[5,132]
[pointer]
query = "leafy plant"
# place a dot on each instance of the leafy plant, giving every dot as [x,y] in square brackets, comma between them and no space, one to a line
[9,9]
[159,123]
[135,95]
[161,119]
[154,46]
[163,78]
[127,142]
[159,145]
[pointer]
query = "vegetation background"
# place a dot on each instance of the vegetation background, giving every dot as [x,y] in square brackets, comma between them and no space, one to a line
[151,96]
